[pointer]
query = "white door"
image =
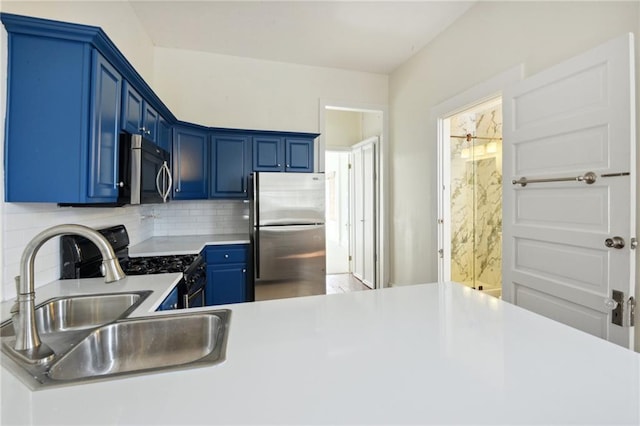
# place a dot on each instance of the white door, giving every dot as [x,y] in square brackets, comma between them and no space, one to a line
[357,255]
[574,120]
[368,214]
[337,211]
[364,208]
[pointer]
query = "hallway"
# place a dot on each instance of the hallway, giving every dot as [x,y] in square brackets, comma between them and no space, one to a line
[344,283]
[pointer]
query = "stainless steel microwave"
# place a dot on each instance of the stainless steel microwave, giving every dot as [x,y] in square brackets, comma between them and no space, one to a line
[144,172]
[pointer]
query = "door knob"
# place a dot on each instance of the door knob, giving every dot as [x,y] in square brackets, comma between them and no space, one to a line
[615,242]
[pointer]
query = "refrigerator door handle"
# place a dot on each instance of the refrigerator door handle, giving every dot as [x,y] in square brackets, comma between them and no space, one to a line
[257,252]
[256,210]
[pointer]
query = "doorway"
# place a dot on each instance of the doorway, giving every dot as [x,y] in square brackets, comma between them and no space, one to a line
[352,162]
[475,197]
[474,119]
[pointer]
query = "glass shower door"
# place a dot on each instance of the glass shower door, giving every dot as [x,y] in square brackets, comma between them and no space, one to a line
[476,198]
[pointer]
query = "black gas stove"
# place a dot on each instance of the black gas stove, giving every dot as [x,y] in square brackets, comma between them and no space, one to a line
[82,259]
[157,264]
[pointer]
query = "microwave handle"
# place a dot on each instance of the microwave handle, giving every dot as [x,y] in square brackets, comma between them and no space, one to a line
[166,189]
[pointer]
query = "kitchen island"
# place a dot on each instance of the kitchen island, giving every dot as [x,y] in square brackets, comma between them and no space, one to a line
[423,354]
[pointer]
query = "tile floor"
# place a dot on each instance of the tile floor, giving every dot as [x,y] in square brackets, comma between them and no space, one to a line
[343,283]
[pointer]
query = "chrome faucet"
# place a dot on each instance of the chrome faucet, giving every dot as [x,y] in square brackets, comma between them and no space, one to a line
[28,345]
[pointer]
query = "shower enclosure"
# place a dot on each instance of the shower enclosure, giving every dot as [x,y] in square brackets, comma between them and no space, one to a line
[476,197]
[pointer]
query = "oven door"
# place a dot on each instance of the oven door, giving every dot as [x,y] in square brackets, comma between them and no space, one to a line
[194,299]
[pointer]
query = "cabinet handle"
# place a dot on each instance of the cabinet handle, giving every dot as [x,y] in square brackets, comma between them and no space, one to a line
[226,256]
[279,165]
[288,166]
[244,271]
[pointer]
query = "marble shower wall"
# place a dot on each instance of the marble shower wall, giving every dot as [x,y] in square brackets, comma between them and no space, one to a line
[476,198]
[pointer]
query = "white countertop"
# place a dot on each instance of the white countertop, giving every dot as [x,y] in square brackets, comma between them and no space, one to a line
[188,244]
[424,354]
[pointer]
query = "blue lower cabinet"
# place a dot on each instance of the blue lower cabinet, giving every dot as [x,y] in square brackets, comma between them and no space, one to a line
[170,302]
[227,284]
[227,274]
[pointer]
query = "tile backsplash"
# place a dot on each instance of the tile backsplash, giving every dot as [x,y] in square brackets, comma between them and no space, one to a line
[22,221]
[201,217]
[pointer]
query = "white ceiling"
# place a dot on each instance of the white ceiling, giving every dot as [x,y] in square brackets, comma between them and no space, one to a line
[370,36]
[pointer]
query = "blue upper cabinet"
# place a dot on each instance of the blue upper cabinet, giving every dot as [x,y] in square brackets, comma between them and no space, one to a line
[138,116]
[190,163]
[150,123]
[230,165]
[165,136]
[268,154]
[65,85]
[62,122]
[272,153]
[105,111]
[131,109]
[70,94]
[298,155]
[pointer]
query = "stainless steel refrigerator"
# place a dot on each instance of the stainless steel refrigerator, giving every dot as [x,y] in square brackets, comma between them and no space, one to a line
[288,234]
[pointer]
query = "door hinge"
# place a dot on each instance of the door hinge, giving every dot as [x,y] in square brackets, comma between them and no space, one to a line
[633,244]
[441,253]
[349,166]
[440,221]
[622,312]
[350,259]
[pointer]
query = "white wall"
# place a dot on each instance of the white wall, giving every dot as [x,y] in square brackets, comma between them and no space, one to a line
[342,128]
[228,91]
[346,128]
[490,38]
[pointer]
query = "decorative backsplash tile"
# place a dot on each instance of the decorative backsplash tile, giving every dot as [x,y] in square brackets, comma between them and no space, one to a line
[23,221]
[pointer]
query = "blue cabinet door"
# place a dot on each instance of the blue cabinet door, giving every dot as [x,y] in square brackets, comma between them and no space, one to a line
[268,154]
[150,123]
[103,152]
[227,276]
[299,155]
[229,166]
[170,302]
[164,134]
[190,163]
[137,116]
[131,117]
[282,154]
[228,284]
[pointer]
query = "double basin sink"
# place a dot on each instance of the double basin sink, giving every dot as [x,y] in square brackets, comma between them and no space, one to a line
[93,340]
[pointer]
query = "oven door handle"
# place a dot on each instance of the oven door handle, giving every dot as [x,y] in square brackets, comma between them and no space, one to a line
[187,297]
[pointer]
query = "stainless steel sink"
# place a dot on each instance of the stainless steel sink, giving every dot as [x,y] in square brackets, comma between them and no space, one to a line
[122,347]
[71,313]
[140,345]
[80,312]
